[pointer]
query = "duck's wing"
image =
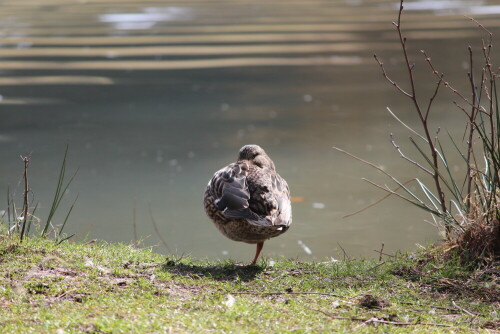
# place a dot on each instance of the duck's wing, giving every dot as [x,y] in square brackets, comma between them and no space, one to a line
[269,196]
[230,189]
[256,194]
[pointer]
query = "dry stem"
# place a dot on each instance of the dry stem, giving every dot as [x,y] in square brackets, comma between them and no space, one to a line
[26,161]
[381,321]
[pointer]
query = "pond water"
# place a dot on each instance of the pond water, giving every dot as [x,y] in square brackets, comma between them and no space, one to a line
[153,97]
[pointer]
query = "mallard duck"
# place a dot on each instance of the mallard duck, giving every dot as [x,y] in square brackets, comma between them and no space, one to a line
[248,201]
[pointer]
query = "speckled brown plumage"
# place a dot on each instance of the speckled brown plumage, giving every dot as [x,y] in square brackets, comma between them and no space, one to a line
[247,200]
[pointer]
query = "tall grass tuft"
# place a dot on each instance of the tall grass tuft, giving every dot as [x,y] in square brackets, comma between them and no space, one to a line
[465,207]
[18,223]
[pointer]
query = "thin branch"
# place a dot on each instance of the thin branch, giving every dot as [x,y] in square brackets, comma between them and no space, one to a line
[461,309]
[433,306]
[409,66]
[445,83]
[369,164]
[389,255]
[396,146]
[433,97]
[381,252]
[480,26]
[401,185]
[26,161]
[472,118]
[134,223]
[423,119]
[417,201]
[344,252]
[8,207]
[377,201]
[381,64]
[288,293]
[376,320]
[461,108]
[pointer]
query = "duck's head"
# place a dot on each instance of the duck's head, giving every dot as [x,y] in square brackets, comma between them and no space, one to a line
[256,155]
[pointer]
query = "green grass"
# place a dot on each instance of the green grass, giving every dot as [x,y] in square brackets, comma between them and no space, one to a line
[116,288]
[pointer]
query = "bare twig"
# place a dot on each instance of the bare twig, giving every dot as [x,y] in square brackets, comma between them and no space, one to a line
[409,66]
[381,321]
[472,117]
[461,108]
[381,252]
[480,26]
[461,309]
[389,255]
[288,293]
[399,183]
[26,161]
[67,292]
[346,257]
[134,223]
[445,83]
[433,96]
[396,146]
[377,201]
[381,64]
[417,202]
[8,207]
[434,307]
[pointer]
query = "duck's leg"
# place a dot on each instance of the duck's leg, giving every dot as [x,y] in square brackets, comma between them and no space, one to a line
[257,253]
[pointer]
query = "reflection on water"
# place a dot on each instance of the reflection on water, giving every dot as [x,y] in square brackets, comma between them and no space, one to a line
[55,80]
[443,6]
[147,19]
[485,10]
[153,98]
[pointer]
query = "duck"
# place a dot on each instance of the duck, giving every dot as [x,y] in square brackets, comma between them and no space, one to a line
[248,201]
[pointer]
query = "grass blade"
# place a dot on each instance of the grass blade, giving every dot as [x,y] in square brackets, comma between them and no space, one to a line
[428,194]
[401,185]
[417,203]
[60,191]
[457,193]
[31,219]
[67,216]
[56,199]
[67,238]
